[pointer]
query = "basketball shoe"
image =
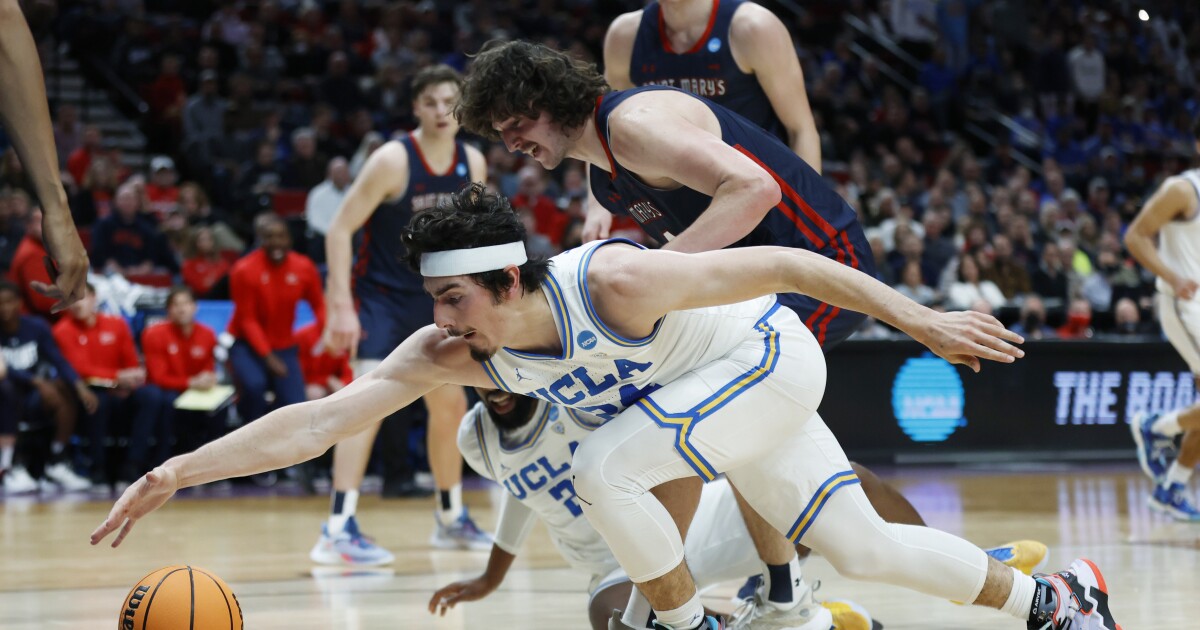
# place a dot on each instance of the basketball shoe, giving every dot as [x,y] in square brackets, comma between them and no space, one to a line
[758,613]
[349,547]
[17,480]
[846,614]
[1171,499]
[1155,451]
[60,473]
[1075,599]
[462,533]
[1026,556]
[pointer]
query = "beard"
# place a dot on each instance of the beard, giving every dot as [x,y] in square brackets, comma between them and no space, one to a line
[519,416]
[480,355]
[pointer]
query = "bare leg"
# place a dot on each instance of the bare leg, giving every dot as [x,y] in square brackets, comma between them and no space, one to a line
[60,405]
[773,547]
[681,497]
[350,457]
[446,405]
[1189,451]
[670,591]
[997,585]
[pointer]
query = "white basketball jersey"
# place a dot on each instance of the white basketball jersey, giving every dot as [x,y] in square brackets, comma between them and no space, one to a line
[535,468]
[601,372]
[1179,242]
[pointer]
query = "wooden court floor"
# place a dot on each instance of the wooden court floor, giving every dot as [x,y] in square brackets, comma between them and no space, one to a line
[52,578]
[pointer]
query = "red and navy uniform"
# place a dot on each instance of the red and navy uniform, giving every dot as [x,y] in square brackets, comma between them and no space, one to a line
[810,215]
[265,297]
[707,69]
[391,298]
[174,358]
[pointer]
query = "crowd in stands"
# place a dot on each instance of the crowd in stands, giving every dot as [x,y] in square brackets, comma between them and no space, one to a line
[269,108]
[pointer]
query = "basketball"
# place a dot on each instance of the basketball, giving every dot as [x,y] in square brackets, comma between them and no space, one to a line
[180,596]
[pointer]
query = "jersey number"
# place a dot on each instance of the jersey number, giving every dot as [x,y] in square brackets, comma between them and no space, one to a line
[565,492]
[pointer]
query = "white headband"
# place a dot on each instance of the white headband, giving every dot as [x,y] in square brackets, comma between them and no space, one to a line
[460,262]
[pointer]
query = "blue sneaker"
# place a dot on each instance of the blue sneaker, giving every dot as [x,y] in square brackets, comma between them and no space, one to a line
[460,534]
[1171,499]
[1026,556]
[349,547]
[1155,451]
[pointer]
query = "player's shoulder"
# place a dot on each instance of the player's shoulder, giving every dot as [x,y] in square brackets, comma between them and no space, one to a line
[751,21]
[390,154]
[470,439]
[624,27]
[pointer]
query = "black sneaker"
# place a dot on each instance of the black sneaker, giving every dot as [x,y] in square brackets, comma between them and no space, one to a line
[1075,599]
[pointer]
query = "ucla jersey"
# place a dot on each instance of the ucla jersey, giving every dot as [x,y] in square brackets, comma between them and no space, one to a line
[707,69]
[534,466]
[599,371]
[1179,241]
[379,257]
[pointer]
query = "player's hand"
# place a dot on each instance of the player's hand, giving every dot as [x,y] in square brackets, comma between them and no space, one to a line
[66,263]
[598,223]
[275,365]
[342,329]
[466,591]
[965,337]
[145,495]
[1185,288]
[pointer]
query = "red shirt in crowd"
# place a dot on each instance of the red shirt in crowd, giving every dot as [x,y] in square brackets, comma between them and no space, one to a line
[98,352]
[200,274]
[162,199]
[317,363]
[265,297]
[28,264]
[551,222]
[173,358]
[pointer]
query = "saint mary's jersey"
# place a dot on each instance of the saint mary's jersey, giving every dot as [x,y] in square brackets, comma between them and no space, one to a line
[534,466]
[599,371]
[379,259]
[707,69]
[1179,241]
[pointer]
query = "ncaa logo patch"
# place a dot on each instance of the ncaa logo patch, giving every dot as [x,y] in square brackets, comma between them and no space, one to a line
[714,44]
[461,170]
[586,340]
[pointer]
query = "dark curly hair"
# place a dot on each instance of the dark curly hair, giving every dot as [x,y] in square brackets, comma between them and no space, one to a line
[473,217]
[518,78]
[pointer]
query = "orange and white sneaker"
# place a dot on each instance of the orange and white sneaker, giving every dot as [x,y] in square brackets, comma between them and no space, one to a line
[1075,599]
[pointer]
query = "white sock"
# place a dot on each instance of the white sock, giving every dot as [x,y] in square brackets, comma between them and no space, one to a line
[6,457]
[450,506]
[1167,424]
[1178,474]
[686,616]
[1020,598]
[338,515]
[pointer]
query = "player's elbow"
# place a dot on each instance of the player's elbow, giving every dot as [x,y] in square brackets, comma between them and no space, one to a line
[758,192]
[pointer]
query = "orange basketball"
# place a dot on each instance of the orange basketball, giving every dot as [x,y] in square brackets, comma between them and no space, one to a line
[177,597]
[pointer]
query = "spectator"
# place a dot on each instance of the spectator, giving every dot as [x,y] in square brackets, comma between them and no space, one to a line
[94,198]
[81,157]
[531,194]
[1079,320]
[1033,320]
[1051,278]
[913,286]
[1087,74]
[324,373]
[970,287]
[179,357]
[266,285]
[1009,276]
[162,193]
[166,96]
[68,133]
[306,167]
[35,381]
[12,230]
[338,87]
[204,125]
[198,212]
[260,179]
[323,203]
[29,265]
[100,348]
[205,266]
[127,242]
[1129,319]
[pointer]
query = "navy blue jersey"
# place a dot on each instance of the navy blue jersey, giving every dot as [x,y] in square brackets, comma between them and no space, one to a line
[380,252]
[810,215]
[707,70]
[32,352]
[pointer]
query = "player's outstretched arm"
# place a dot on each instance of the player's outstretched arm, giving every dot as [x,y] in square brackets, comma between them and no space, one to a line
[26,116]
[512,528]
[289,435]
[637,287]
[1173,199]
[475,589]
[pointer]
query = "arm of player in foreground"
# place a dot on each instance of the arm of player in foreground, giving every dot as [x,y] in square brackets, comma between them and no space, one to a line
[284,437]
[516,519]
[648,284]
